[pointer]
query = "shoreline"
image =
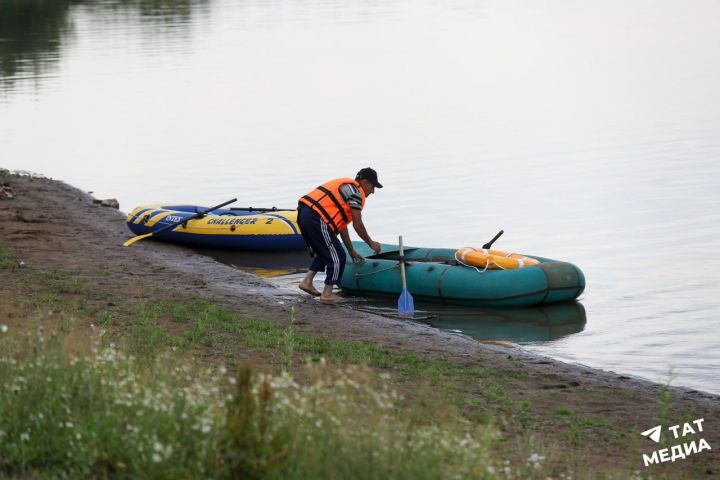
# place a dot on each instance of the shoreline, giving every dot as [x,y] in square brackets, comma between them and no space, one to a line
[48,222]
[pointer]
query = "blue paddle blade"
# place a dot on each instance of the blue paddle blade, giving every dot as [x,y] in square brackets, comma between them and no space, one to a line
[406,305]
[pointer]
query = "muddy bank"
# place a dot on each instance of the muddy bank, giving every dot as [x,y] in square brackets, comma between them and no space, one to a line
[50,224]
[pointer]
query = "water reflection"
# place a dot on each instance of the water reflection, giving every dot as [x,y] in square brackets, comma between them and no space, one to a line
[34,35]
[31,35]
[516,325]
[163,11]
[526,325]
[262,264]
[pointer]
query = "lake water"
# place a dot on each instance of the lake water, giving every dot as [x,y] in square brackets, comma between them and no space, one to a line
[589,132]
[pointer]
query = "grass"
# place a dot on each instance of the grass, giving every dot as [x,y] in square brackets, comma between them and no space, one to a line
[62,282]
[146,337]
[7,262]
[266,334]
[74,410]
[335,416]
[289,341]
[98,413]
[205,324]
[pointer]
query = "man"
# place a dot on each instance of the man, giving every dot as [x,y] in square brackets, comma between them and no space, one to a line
[326,212]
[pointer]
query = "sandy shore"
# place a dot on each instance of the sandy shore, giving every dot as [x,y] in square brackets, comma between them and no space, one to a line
[52,224]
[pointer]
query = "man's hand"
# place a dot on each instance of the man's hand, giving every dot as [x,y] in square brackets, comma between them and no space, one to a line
[375,246]
[356,256]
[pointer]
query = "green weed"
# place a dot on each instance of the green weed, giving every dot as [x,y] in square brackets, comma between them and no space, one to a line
[145,336]
[289,341]
[70,285]
[6,259]
[106,320]
[563,411]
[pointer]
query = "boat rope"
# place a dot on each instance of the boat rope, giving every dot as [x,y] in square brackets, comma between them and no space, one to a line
[377,271]
[471,266]
[487,263]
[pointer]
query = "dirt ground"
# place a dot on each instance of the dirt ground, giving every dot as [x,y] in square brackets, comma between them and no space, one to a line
[51,224]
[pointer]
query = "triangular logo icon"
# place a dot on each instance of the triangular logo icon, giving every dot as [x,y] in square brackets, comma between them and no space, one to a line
[653,433]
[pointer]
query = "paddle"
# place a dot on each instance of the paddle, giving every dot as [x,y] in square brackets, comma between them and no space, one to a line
[263,210]
[489,244]
[173,225]
[405,302]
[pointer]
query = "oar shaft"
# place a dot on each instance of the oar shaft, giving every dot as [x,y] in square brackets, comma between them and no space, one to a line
[402,264]
[263,210]
[197,215]
[175,224]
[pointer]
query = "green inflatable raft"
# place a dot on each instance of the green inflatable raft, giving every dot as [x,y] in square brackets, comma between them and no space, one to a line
[434,275]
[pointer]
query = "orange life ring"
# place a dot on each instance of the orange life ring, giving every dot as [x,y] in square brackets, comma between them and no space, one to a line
[493,259]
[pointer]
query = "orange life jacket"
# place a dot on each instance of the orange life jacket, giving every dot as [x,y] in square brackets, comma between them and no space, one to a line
[329,204]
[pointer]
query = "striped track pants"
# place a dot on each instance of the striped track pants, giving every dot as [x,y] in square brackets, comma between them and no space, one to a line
[329,253]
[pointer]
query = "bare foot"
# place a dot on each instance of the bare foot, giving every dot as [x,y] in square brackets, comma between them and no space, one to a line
[308,288]
[332,298]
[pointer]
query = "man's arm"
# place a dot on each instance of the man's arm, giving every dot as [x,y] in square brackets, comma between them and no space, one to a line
[345,236]
[362,231]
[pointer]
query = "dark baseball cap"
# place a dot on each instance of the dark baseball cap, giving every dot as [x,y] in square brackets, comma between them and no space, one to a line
[369,174]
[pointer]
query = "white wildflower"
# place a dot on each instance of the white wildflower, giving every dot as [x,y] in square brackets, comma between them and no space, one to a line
[506,468]
[25,436]
[3,328]
[535,460]
[156,458]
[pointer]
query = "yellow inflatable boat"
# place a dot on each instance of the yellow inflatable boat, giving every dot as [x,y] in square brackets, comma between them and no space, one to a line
[267,229]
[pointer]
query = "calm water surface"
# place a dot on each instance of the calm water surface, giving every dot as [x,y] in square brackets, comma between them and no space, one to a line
[588,132]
